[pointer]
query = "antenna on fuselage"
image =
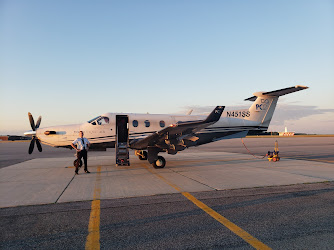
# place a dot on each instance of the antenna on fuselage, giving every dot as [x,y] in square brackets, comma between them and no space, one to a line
[190,111]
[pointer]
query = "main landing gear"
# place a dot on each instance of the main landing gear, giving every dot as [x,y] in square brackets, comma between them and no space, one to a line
[159,162]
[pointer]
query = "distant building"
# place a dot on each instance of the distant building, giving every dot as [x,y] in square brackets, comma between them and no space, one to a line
[286,133]
[3,138]
[14,138]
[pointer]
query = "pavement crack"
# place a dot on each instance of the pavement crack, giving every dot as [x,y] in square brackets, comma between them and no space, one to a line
[65,189]
[194,180]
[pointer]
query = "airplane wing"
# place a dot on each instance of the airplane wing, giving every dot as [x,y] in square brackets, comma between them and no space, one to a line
[178,131]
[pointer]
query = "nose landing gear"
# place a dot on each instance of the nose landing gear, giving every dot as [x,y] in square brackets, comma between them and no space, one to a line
[142,155]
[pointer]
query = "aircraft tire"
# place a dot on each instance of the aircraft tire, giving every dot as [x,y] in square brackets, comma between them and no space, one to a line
[160,163]
[143,157]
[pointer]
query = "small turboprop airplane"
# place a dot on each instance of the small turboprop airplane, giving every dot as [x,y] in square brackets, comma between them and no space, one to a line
[151,134]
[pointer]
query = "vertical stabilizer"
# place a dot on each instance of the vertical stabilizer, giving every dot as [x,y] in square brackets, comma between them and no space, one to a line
[264,104]
[262,109]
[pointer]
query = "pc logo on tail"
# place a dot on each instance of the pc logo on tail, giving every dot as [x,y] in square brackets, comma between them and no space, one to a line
[263,106]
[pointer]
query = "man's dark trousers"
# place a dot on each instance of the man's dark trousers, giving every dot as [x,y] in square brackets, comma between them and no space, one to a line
[82,154]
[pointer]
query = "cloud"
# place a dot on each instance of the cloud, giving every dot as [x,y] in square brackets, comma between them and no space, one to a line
[289,112]
[284,112]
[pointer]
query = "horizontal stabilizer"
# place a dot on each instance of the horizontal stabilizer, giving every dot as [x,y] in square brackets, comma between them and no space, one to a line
[278,93]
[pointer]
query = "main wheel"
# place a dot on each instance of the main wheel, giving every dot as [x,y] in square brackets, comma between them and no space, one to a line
[160,163]
[143,156]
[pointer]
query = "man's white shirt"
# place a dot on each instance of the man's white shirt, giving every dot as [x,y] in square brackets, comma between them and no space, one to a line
[81,143]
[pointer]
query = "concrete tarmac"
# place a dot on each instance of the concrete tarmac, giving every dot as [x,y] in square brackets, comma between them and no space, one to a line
[52,180]
[284,217]
[156,197]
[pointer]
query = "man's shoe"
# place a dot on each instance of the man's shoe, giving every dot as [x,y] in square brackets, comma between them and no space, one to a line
[76,172]
[87,172]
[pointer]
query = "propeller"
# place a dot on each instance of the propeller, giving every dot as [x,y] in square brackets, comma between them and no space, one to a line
[34,139]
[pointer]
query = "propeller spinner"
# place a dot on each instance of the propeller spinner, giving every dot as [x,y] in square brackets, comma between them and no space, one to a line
[34,139]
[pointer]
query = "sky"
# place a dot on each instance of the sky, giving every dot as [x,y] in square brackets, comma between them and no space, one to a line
[70,61]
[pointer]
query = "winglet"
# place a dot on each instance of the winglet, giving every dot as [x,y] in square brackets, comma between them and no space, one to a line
[215,114]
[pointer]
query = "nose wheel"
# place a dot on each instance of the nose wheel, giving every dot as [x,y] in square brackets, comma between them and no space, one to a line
[159,163]
[142,155]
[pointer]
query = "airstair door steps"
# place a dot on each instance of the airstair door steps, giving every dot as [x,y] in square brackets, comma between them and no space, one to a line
[122,140]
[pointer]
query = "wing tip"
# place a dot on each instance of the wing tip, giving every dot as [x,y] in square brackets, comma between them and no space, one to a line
[301,87]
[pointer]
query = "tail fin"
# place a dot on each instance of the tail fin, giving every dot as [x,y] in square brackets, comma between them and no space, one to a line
[264,104]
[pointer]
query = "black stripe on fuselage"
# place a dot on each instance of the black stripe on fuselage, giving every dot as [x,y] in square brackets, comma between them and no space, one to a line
[206,135]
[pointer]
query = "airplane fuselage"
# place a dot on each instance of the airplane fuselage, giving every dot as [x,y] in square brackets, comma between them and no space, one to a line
[141,125]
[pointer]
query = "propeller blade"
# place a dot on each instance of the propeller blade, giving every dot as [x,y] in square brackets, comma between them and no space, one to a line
[39,146]
[38,122]
[32,122]
[31,146]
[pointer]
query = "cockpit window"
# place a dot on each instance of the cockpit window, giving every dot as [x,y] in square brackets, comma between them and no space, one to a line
[103,120]
[91,121]
[100,120]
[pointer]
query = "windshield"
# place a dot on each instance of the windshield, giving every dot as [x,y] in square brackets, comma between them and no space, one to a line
[90,121]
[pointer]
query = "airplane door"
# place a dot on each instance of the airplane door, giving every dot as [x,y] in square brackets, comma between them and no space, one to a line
[122,140]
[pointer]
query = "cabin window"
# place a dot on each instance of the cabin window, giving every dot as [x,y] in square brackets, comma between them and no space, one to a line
[162,124]
[147,123]
[135,123]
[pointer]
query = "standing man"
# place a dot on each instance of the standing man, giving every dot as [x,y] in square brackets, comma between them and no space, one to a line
[81,145]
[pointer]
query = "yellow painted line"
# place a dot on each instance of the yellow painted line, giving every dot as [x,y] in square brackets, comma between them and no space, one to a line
[93,238]
[317,160]
[227,223]
[224,221]
[308,159]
